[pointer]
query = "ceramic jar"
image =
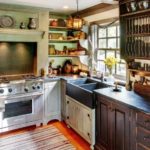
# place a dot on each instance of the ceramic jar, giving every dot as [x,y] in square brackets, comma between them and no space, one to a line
[32,23]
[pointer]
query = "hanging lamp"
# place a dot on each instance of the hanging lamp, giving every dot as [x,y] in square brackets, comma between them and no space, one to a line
[77,20]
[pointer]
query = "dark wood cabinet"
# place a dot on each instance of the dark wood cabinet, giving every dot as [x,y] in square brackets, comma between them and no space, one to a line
[141,130]
[120,126]
[112,125]
[135,28]
[103,120]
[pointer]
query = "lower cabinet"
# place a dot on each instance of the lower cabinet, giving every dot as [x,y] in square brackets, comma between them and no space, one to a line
[142,131]
[63,99]
[52,104]
[112,125]
[81,119]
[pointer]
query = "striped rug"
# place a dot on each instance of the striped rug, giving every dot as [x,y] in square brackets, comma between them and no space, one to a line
[46,138]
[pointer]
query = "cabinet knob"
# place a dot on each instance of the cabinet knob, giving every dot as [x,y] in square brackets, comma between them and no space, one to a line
[89,116]
[67,117]
[89,135]
[67,102]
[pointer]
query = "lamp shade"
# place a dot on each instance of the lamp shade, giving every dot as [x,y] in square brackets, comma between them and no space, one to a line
[77,22]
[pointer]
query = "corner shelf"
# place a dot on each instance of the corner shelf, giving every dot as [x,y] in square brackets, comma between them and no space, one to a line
[62,28]
[63,41]
[66,55]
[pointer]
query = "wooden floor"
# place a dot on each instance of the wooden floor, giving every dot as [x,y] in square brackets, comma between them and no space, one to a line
[75,139]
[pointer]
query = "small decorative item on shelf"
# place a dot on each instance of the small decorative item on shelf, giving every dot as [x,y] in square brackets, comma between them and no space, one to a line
[67,66]
[110,62]
[50,69]
[54,23]
[75,69]
[131,7]
[143,5]
[43,72]
[69,22]
[51,49]
[61,22]
[32,23]
[22,25]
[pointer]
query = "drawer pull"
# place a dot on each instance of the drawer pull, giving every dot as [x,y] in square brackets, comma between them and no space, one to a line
[146,138]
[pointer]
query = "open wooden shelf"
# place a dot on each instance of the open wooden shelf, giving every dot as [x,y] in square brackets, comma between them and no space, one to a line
[143,72]
[63,41]
[138,35]
[62,28]
[66,55]
[135,13]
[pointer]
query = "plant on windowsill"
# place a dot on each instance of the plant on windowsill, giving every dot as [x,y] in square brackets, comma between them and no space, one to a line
[110,62]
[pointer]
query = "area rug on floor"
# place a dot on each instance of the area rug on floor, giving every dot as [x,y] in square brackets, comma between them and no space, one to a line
[46,138]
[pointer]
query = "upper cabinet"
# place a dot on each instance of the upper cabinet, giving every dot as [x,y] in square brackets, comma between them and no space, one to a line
[135,28]
[64,41]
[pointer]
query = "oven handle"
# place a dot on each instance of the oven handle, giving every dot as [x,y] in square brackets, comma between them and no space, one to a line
[22,96]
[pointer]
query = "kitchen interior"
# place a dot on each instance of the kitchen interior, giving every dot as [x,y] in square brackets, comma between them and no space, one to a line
[75,69]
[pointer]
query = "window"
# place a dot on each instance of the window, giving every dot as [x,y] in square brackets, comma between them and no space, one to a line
[108,44]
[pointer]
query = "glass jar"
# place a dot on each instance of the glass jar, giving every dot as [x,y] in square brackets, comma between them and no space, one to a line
[51,50]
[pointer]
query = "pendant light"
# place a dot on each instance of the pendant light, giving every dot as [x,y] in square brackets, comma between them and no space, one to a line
[77,20]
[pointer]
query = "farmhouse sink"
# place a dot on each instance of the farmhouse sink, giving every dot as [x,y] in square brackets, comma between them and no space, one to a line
[82,90]
[82,81]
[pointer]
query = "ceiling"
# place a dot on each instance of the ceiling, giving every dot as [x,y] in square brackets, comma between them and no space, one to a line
[57,5]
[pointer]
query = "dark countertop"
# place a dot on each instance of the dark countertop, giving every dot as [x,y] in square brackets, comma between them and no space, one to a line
[129,98]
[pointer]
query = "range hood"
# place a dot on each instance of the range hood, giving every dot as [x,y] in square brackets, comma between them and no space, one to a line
[20,35]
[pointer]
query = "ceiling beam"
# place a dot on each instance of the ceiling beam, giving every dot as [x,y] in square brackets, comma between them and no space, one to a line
[96,9]
[104,20]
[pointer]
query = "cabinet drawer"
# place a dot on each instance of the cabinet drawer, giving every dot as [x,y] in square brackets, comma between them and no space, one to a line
[143,120]
[143,137]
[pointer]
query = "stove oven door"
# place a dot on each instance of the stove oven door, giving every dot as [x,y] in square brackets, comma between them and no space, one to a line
[22,109]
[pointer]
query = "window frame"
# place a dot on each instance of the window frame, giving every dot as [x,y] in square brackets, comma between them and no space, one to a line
[117,49]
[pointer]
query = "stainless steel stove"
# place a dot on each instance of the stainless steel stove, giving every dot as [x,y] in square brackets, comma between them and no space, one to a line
[21,101]
[13,85]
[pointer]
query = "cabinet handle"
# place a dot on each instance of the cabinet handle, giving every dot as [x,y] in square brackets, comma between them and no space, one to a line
[67,117]
[146,138]
[67,102]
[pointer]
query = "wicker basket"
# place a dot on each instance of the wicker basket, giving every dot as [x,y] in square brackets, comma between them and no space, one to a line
[143,90]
